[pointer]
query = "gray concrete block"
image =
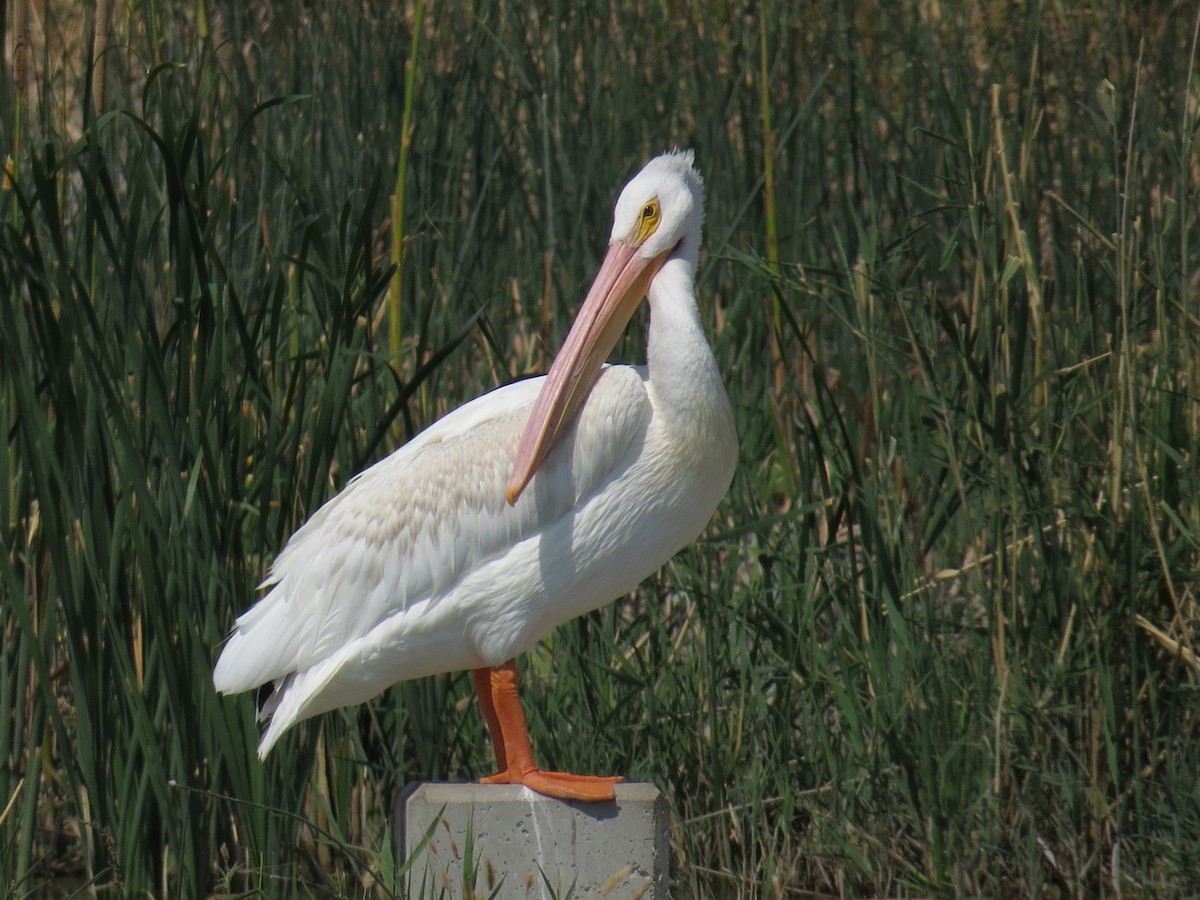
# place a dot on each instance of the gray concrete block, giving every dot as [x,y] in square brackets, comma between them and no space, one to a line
[484,836]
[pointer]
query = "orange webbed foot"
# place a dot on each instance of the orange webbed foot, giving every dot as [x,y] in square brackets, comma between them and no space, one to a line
[562,785]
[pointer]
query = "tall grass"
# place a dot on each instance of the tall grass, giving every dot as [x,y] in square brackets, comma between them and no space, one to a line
[941,636]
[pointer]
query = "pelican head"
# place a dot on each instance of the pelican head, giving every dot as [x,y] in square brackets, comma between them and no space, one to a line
[658,217]
[662,209]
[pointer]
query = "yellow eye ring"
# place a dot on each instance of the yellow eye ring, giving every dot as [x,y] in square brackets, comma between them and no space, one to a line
[648,223]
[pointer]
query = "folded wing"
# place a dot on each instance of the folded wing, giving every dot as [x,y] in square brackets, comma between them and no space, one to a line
[405,531]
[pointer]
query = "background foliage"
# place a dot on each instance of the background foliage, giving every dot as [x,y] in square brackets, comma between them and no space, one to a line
[941,636]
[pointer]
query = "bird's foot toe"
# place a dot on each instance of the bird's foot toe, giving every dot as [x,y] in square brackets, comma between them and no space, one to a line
[561,785]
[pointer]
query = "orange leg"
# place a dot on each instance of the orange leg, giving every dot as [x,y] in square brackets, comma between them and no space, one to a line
[483,689]
[501,703]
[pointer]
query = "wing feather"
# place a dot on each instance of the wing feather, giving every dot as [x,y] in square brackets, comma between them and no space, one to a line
[407,529]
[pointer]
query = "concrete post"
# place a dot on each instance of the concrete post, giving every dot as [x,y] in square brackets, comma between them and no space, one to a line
[481,837]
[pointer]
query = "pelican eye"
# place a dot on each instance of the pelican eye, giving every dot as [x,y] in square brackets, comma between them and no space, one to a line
[648,221]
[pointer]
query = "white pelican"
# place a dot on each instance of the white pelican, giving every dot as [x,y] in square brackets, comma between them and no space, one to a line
[530,505]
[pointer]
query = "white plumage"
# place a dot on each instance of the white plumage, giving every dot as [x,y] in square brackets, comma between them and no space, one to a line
[421,565]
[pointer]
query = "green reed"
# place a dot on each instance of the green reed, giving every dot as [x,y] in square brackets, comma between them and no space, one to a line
[939,639]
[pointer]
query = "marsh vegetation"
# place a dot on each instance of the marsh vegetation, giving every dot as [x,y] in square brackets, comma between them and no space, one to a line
[940,638]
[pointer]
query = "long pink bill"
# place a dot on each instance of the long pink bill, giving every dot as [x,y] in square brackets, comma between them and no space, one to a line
[620,285]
